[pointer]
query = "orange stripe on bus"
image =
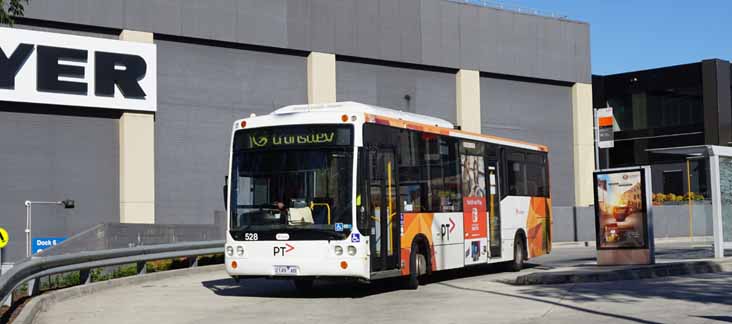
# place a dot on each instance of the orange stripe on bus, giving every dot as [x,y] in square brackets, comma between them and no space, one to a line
[443,131]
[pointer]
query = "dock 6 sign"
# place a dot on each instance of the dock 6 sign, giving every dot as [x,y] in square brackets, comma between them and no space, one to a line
[70,70]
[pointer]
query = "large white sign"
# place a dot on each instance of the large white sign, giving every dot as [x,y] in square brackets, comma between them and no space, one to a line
[60,69]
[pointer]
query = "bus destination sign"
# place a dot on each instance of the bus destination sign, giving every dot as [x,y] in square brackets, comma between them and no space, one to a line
[294,136]
[278,140]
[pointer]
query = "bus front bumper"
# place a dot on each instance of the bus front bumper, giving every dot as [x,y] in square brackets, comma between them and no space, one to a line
[285,267]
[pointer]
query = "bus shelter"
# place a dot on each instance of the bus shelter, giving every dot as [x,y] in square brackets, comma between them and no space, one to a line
[719,160]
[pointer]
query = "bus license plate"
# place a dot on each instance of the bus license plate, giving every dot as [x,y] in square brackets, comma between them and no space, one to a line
[286,270]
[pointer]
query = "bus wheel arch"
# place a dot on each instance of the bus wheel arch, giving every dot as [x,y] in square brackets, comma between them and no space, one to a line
[422,244]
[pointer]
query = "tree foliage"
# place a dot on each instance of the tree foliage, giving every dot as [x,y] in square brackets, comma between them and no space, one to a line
[9,9]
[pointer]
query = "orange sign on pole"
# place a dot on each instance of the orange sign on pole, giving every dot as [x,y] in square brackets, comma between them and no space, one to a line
[605,128]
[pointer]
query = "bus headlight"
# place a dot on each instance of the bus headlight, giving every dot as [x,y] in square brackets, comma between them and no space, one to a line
[239,250]
[229,251]
[351,250]
[338,250]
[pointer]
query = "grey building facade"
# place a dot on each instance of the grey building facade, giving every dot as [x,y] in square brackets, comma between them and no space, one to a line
[221,60]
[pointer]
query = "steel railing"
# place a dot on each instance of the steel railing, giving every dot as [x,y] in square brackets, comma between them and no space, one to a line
[31,270]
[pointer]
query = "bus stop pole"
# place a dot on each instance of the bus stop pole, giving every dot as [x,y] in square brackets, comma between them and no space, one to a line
[716,206]
[688,194]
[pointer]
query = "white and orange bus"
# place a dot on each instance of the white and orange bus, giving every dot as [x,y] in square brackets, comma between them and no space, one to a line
[356,191]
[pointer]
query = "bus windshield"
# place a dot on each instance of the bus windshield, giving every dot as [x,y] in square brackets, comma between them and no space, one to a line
[303,190]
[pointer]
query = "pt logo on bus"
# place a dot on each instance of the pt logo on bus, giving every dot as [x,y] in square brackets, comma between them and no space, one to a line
[281,250]
[446,229]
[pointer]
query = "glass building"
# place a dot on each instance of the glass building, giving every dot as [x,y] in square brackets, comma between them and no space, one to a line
[674,106]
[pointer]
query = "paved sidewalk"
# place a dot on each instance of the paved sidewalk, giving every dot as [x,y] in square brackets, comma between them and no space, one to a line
[477,294]
[577,263]
[213,297]
[595,273]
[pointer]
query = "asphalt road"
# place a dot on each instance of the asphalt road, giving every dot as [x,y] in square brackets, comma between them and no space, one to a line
[473,296]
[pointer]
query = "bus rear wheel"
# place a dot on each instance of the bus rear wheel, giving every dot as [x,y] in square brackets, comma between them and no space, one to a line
[519,254]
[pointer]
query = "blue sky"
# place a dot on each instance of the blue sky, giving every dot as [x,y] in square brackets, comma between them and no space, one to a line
[634,35]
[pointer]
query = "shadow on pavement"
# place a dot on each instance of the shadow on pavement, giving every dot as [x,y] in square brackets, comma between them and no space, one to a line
[337,288]
[725,319]
[613,316]
[712,289]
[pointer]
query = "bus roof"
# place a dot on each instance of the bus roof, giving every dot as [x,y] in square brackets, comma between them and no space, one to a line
[403,119]
[355,107]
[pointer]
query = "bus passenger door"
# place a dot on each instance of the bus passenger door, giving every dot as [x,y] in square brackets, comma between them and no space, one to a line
[494,209]
[383,209]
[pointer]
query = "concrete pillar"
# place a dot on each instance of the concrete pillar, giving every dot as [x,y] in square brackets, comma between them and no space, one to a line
[137,157]
[584,145]
[321,78]
[467,95]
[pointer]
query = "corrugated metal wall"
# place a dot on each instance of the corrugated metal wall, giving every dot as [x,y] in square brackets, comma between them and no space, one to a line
[201,91]
[54,157]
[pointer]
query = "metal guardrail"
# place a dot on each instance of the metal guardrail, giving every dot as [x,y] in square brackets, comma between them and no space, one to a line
[31,270]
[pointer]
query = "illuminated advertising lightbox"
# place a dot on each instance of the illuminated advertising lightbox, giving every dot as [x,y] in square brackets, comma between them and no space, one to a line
[621,209]
[293,136]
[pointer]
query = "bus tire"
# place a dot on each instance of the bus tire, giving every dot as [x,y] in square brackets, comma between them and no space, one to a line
[303,285]
[519,254]
[417,267]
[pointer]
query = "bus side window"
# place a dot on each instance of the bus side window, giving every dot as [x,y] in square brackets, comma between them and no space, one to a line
[516,170]
[536,175]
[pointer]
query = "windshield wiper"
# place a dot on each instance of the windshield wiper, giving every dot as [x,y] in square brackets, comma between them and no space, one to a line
[242,228]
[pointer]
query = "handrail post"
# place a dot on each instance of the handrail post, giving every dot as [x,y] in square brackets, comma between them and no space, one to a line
[85,276]
[34,287]
[192,261]
[8,301]
[141,267]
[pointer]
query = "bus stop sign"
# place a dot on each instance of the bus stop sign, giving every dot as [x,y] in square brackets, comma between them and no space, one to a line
[605,128]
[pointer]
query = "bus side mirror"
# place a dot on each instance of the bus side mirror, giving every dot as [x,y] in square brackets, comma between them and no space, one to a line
[226,192]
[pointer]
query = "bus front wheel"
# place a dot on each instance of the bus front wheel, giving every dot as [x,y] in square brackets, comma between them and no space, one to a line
[417,267]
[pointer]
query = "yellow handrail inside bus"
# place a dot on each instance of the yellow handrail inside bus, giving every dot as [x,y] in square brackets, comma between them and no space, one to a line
[491,219]
[391,208]
[327,207]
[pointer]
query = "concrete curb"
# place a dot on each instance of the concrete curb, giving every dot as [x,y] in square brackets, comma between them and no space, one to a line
[41,303]
[625,273]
